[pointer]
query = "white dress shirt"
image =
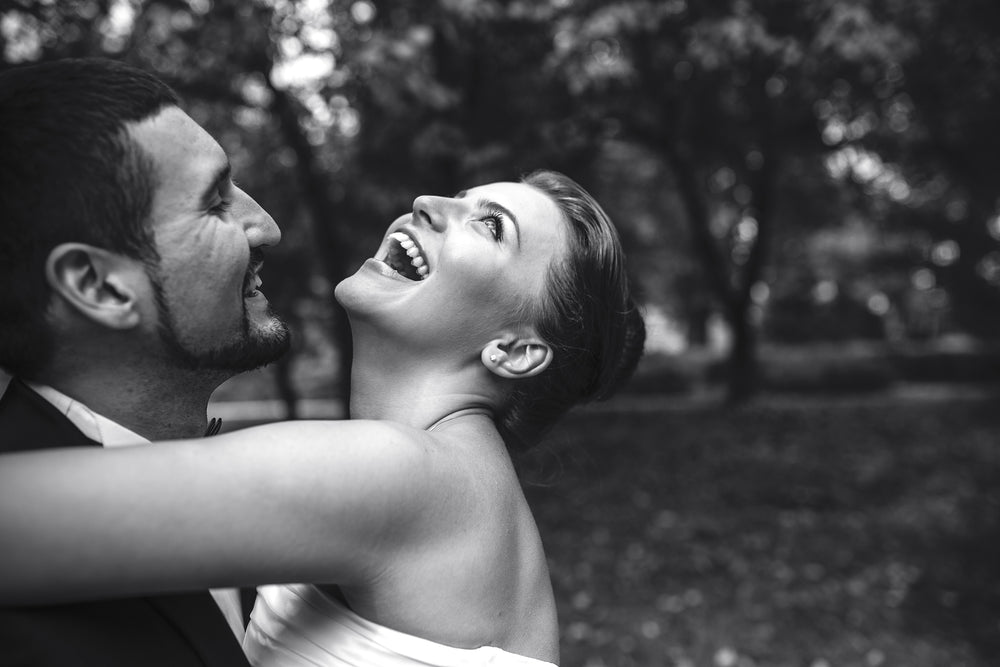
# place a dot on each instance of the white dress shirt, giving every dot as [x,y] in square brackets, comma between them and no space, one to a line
[112,434]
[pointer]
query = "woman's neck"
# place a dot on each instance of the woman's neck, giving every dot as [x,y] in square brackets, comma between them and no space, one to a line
[415,391]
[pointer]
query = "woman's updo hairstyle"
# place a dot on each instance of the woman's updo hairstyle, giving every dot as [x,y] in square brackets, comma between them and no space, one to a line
[586,314]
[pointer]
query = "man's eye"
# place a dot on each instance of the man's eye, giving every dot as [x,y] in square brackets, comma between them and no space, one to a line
[223,207]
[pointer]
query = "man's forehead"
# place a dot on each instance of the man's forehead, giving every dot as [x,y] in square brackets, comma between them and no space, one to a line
[174,140]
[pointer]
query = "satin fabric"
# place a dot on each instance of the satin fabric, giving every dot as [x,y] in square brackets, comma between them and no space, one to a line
[297,625]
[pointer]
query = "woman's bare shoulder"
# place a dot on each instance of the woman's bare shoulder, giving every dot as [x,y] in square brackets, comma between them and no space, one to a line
[399,472]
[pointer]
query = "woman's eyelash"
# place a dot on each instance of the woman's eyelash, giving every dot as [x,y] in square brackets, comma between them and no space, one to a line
[497,217]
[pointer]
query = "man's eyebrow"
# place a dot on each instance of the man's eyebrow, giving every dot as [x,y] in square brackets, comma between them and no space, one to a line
[222,175]
[489,203]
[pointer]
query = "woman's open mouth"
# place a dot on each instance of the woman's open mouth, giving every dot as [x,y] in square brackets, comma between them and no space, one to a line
[406,257]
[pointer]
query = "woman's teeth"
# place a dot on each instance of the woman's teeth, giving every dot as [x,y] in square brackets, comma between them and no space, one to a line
[415,266]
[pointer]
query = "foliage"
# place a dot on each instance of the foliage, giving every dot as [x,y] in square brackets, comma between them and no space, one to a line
[804,169]
[938,131]
[732,96]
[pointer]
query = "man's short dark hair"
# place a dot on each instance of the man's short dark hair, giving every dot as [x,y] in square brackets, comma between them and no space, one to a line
[69,172]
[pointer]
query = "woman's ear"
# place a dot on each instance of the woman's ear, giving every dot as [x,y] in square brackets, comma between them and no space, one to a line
[517,357]
[94,282]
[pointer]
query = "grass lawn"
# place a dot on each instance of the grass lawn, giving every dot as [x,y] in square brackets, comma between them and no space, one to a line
[819,533]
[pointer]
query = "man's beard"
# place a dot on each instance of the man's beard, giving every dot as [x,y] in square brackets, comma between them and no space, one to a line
[248,350]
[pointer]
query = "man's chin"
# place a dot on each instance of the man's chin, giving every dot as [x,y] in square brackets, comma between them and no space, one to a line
[259,346]
[276,338]
[265,344]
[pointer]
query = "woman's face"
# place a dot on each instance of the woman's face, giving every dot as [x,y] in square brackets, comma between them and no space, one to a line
[457,271]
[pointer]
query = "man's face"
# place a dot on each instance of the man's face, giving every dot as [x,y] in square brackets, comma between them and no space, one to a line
[210,237]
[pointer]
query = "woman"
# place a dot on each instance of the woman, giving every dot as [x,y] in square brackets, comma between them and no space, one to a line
[480,320]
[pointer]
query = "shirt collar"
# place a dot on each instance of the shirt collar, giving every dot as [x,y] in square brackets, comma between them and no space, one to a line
[96,427]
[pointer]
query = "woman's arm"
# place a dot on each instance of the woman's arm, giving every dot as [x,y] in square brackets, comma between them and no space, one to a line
[298,501]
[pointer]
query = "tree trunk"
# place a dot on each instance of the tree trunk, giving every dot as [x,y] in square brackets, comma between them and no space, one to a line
[333,255]
[744,376]
[741,366]
[732,293]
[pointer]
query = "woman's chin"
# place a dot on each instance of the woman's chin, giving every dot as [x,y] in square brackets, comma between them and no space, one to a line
[358,297]
[349,290]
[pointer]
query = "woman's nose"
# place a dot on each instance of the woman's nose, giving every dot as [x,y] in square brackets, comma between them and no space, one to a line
[432,211]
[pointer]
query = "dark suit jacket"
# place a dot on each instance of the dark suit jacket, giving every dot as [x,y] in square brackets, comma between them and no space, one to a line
[183,630]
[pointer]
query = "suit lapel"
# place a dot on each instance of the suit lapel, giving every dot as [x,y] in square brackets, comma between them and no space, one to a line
[28,421]
[196,617]
[248,598]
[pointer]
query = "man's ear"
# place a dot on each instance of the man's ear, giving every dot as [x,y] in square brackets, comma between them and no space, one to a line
[514,358]
[95,282]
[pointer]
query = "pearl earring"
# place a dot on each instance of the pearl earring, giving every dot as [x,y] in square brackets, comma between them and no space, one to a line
[493,358]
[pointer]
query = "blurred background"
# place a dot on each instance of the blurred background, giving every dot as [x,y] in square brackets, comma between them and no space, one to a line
[804,471]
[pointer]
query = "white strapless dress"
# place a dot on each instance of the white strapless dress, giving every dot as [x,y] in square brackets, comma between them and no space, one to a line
[297,625]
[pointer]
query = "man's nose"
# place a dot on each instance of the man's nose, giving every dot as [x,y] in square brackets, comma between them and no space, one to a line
[259,226]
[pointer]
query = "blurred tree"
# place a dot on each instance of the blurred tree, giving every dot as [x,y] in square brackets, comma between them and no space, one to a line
[731,95]
[938,110]
[451,93]
[792,146]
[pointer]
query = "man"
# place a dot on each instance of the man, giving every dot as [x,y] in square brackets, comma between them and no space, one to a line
[129,284]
